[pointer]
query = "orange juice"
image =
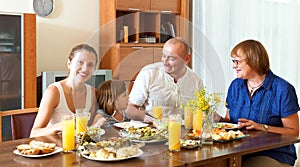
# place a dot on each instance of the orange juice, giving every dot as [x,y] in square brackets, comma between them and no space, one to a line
[68,133]
[188,117]
[197,120]
[157,111]
[174,128]
[81,124]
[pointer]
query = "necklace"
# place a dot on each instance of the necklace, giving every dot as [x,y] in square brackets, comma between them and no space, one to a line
[253,89]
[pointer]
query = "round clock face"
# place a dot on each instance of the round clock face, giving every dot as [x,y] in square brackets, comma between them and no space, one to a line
[43,7]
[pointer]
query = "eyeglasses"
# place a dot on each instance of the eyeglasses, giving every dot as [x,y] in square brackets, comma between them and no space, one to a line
[238,62]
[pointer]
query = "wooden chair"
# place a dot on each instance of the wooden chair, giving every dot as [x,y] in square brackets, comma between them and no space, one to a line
[21,122]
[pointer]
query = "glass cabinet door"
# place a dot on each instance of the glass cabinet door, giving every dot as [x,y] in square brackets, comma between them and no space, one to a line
[10,67]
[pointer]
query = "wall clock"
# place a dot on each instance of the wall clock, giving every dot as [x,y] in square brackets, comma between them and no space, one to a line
[43,7]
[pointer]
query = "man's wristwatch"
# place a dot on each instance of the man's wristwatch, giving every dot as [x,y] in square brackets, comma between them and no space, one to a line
[266,127]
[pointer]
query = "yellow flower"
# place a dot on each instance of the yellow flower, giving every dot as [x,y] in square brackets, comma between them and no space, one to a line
[204,101]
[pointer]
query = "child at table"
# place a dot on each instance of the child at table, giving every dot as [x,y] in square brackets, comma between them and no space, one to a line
[112,99]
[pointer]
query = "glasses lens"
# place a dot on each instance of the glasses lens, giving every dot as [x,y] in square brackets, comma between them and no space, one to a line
[237,62]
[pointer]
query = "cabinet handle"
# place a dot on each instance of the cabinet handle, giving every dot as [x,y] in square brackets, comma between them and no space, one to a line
[137,47]
[166,11]
[135,9]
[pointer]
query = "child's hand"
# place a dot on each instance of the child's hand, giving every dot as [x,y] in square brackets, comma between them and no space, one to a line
[100,122]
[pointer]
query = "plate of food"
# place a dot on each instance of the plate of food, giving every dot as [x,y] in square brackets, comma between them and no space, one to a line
[93,134]
[226,125]
[189,144]
[104,155]
[221,135]
[135,124]
[111,149]
[227,140]
[36,149]
[144,134]
[150,141]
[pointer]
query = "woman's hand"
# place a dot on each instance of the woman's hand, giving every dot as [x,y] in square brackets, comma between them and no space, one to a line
[249,124]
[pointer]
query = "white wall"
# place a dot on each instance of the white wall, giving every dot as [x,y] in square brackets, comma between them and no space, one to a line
[71,23]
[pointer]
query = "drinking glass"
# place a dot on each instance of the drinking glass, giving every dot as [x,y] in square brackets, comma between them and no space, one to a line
[188,117]
[174,129]
[68,133]
[197,121]
[82,119]
[157,109]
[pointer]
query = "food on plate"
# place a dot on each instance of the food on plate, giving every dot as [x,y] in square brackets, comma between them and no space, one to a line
[226,125]
[36,147]
[195,133]
[112,143]
[93,134]
[135,124]
[222,134]
[111,148]
[144,134]
[189,143]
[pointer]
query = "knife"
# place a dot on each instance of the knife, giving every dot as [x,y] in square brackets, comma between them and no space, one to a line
[150,115]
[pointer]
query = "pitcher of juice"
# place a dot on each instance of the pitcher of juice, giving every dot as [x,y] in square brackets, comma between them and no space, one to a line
[174,129]
[68,133]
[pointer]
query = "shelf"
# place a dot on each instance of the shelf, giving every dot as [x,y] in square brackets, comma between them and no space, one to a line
[150,23]
[160,26]
[6,43]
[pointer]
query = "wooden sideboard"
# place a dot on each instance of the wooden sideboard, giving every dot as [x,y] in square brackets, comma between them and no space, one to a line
[145,19]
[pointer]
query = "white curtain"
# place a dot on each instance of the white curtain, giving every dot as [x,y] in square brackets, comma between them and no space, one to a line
[218,25]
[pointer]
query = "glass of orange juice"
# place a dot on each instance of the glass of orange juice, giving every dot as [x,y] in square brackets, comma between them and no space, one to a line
[197,121]
[174,129]
[188,117]
[157,109]
[68,133]
[82,118]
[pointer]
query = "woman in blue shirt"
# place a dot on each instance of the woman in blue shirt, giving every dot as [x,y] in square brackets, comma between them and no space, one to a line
[259,100]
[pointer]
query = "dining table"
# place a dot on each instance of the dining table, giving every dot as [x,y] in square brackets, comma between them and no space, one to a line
[218,154]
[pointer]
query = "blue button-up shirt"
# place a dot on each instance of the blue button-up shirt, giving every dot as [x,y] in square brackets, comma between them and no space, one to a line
[274,100]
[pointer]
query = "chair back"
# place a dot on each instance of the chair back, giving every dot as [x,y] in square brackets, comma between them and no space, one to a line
[21,122]
[21,125]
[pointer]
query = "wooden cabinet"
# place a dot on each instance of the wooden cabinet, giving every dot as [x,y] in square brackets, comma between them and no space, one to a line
[150,23]
[166,6]
[17,64]
[126,60]
[18,44]
[134,5]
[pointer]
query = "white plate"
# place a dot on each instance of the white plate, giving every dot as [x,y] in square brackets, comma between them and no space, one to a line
[189,144]
[57,150]
[223,141]
[135,124]
[102,132]
[149,141]
[226,125]
[140,152]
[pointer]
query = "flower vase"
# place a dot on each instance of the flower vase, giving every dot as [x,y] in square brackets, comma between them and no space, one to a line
[207,127]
